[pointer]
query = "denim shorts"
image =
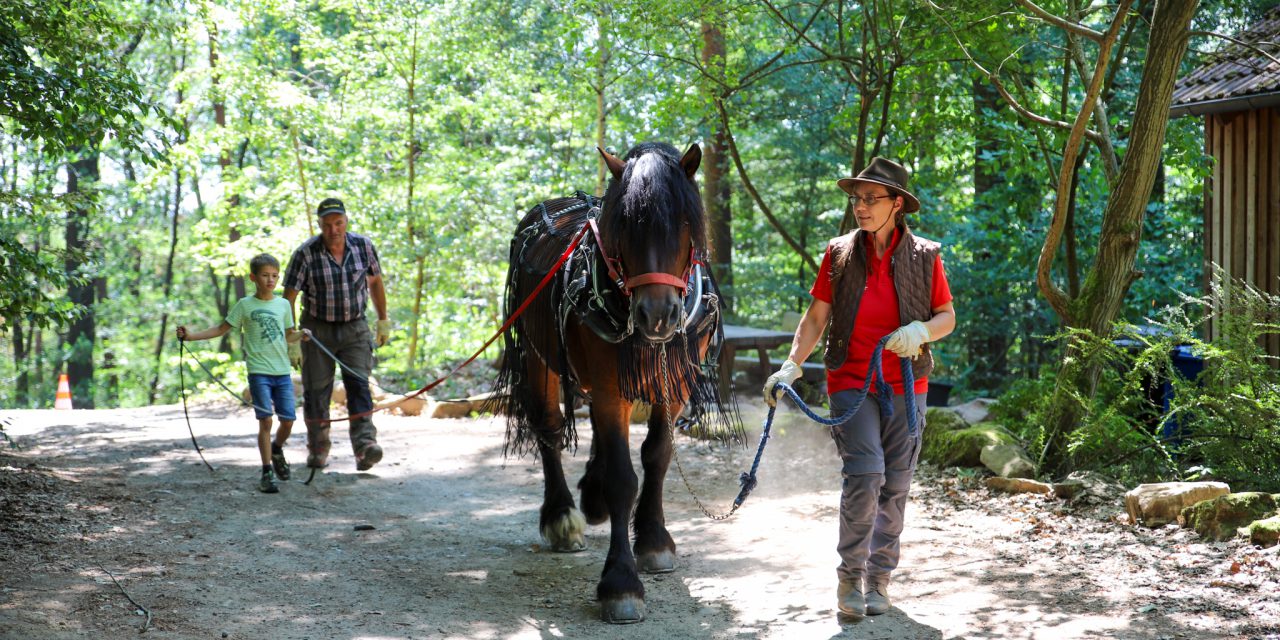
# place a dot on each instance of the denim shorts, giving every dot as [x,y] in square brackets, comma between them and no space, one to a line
[268,391]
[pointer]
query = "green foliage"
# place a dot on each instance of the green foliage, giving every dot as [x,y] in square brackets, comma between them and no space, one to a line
[1147,421]
[62,80]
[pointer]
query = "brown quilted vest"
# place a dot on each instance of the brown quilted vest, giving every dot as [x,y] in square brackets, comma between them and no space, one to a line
[912,266]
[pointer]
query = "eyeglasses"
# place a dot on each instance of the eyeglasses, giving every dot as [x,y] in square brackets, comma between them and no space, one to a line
[869,200]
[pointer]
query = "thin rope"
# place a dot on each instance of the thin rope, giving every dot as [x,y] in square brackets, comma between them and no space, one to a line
[182,382]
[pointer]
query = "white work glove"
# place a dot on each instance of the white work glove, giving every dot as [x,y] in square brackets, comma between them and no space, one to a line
[384,332]
[295,354]
[908,339]
[784,375]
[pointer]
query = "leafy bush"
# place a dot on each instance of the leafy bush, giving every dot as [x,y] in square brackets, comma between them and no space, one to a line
[1223,424]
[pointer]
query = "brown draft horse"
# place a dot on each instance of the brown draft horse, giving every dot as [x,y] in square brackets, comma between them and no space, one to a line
[632,316]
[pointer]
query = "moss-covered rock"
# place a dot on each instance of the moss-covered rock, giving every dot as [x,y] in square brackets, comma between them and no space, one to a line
[1265,533]
[962,447]
[944,420]
[1219,518]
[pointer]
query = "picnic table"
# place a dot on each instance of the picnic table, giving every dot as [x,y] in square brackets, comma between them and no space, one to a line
[739,337]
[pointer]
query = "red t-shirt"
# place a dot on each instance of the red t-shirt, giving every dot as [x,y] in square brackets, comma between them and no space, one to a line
[877,317]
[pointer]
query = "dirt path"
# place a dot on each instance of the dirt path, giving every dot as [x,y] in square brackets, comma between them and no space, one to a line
[455,552]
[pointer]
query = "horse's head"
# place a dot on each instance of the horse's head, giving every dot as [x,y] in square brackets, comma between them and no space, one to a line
[652,222]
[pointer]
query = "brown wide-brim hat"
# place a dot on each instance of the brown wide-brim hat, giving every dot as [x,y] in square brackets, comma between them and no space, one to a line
[889,174]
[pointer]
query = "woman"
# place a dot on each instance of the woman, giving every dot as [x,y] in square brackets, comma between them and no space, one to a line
[877,280]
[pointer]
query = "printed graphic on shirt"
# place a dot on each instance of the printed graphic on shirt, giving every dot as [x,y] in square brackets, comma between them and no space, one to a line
[268,326]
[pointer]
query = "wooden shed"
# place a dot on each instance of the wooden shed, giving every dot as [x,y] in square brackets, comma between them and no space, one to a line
[1238,94]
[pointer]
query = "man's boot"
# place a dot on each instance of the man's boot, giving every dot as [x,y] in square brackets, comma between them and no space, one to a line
[318,446]
[849,598]
[878,595]
[364,442]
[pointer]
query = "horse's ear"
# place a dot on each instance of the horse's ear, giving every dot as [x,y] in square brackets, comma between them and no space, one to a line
[692,158]
[615,165]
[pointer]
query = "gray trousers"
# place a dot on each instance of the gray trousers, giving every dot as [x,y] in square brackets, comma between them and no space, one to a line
[878,457]
[351,342]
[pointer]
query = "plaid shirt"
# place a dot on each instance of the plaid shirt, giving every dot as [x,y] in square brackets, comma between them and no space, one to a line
[333,292]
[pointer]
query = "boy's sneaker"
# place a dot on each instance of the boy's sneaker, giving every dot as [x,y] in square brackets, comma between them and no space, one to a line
[280,466]
[268,483]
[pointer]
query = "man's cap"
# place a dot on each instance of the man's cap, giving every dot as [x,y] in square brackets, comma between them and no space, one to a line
[889,174]
[330,205]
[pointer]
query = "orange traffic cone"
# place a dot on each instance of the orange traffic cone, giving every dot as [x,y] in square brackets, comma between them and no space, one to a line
[63,400]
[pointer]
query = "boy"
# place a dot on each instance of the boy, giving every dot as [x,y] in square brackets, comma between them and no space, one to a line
[264,319]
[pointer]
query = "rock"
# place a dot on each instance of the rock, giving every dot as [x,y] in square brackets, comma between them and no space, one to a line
[1158,504]
[974,411]
[1097,485]
[943,419]
[339,396]
[1265,533]
[463,407]
[1219,518]
[405,405]
[962,447]
[1019,485]
[1068,489]
[1008,460]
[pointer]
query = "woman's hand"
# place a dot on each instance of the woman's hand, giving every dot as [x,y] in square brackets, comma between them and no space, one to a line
[908,339]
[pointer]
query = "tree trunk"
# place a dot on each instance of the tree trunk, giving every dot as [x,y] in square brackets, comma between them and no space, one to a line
[603,55]
[988,342]
[82,179]
[716,192]
[22,384]
[168,284]
[1102,294]
[411,151]
[224,157]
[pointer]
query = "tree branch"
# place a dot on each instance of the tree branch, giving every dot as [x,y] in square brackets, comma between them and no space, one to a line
[1055,296]
[1062,23]
[755,195]
[1248,45]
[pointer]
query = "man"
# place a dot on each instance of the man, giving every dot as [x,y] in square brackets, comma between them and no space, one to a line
[338,271]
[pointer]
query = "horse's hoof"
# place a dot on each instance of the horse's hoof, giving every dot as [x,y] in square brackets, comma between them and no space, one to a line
[572,545]
[657,562]
[565,534]
[624,610]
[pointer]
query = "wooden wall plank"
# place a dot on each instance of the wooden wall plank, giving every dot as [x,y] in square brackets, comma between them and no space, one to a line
[1271,178]
[1250,208]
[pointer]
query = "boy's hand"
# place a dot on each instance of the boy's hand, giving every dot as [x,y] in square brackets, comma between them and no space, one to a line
[295,355]
[182,332]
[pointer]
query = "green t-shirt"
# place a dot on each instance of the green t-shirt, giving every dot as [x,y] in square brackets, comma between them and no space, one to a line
[263,323]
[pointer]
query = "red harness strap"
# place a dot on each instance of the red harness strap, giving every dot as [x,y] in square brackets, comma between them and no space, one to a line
[506,325]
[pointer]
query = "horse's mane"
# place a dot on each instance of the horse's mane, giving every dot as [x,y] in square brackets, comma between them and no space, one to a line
[651,200]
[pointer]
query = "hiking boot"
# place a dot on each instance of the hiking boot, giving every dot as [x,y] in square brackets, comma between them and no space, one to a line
[849,598]
[370,455]
[280,466]
[878,595]
[268,483]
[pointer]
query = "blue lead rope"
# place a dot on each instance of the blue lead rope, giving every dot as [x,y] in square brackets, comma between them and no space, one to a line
[884,396]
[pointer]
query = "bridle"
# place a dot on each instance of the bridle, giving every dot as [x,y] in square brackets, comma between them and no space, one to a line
[619,276]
